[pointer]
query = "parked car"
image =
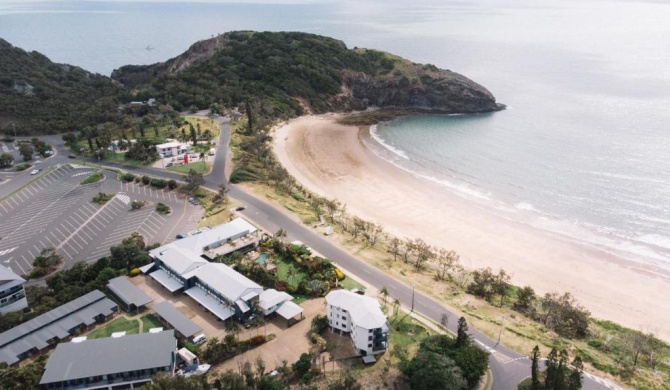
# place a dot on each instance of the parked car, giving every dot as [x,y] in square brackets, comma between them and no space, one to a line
[71,156]
[180,236]
[240,208]
[169,164]
[34,171]
[199,339]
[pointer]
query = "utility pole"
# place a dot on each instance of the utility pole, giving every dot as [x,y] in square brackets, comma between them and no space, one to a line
[502,322]
[14,127]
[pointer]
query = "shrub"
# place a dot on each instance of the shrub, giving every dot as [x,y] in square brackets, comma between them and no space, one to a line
[146,180]
[162,208]
[127,177]
[172,184]
[102,198]
[137,204]
[241,174]
[257,340]
[138,179]
[22,167]
[158,183]
[134,272]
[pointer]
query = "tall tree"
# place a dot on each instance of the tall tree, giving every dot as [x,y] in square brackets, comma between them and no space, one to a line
[194,136]
[26,151]
[551,372]
[394,247]
[462,336]
[250,117]
[575,380]
[535,370]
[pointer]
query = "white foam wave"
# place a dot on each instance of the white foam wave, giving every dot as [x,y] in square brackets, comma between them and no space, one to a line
[524,206]
[375,135]
[655,239]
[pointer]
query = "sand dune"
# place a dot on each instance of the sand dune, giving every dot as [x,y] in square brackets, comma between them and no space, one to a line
[332,160]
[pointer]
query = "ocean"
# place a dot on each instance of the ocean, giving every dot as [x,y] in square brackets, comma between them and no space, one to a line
[583,149]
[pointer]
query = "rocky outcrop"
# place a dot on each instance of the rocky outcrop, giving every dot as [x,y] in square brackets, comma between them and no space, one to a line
[308,73]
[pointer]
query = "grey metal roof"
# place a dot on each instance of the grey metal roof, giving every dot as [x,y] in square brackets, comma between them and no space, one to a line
[220,309]
[289,310]
[176,319]
[234,229]
[128,292]
[228,282]
[166,280]
[104,356]
[180,260]
[49,317]
[55,323]
[9,279]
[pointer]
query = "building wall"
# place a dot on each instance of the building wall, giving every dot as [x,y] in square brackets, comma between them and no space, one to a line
[339,318]
[13,299]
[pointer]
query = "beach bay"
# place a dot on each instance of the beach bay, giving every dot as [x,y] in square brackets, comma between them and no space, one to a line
[334,161]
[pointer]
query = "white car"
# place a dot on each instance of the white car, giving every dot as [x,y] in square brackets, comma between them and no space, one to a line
[34,171]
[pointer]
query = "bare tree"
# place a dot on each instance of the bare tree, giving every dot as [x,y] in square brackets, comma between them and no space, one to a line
[394,247]
[462,276]
[332,206]
[446,262]
[408,249]
[423,252]
[373,232]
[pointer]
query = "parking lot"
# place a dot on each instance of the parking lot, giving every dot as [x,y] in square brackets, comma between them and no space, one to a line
[55,211]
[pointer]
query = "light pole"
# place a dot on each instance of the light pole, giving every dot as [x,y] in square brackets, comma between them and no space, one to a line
[502,321]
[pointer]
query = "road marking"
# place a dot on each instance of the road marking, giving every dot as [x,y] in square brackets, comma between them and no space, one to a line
[7,251]
[123,198]
[82,225]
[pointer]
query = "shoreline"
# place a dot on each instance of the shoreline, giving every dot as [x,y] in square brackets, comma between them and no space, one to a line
[335,160]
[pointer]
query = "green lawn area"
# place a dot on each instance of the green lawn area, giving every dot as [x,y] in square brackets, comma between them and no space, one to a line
[121,159]
[118,325]
[95,177]
[405,330]
[199,166]
[350,284]
[149,321]
[283,269]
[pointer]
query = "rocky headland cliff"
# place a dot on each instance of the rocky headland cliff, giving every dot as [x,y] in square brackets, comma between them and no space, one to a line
[293,73]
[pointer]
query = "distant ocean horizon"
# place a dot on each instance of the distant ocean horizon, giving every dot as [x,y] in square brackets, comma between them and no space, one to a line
[583,149]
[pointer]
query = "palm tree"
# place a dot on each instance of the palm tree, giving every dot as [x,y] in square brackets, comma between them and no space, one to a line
[396,304]
[385,293]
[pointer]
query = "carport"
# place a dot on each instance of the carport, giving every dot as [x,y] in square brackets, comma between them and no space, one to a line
[289,311]
[129,295]
[174,318]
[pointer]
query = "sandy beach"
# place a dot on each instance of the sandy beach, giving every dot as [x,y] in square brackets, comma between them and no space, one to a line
[333,161]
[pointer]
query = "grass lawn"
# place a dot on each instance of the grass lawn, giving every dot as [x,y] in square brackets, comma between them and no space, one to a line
[350,284]
[149,321]
[405,330]
[199,166]
[283,269]
[95,177]
[120,324]
[121,159]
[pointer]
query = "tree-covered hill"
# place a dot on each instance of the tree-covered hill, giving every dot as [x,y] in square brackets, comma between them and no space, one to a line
[288,72]
[40,96]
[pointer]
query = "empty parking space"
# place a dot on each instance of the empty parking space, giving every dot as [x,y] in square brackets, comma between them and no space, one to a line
[55,211]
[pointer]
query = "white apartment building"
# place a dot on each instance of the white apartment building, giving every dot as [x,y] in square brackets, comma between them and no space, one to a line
[361,317]
[12,294]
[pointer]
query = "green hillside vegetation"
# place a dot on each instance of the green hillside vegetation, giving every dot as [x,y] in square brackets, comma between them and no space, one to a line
[38,96]
[269,67]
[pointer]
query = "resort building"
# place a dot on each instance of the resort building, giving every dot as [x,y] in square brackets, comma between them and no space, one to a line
[172,149]
[170,316]
[126,362]
[361,317]
[182,266]
[42,332]
[12,294]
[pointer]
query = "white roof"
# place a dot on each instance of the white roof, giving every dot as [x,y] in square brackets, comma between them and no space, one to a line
[289,310]
[364,311]
[197,242]
[169,145]
[271,297]
[8,278]
[228,282]
[180,260]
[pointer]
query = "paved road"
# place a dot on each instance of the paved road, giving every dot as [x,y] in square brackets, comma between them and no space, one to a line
[508,367]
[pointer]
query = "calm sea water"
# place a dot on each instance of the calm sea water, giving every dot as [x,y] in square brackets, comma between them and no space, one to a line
[583,149]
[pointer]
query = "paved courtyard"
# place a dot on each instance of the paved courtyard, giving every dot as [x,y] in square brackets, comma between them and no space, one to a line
[55,211]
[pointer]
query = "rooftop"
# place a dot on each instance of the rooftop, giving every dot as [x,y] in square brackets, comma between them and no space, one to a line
[90,358]
[176,319]
[128,292]
[180,260]
[8,278]
[364,311]
[229,283]
[197,243]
